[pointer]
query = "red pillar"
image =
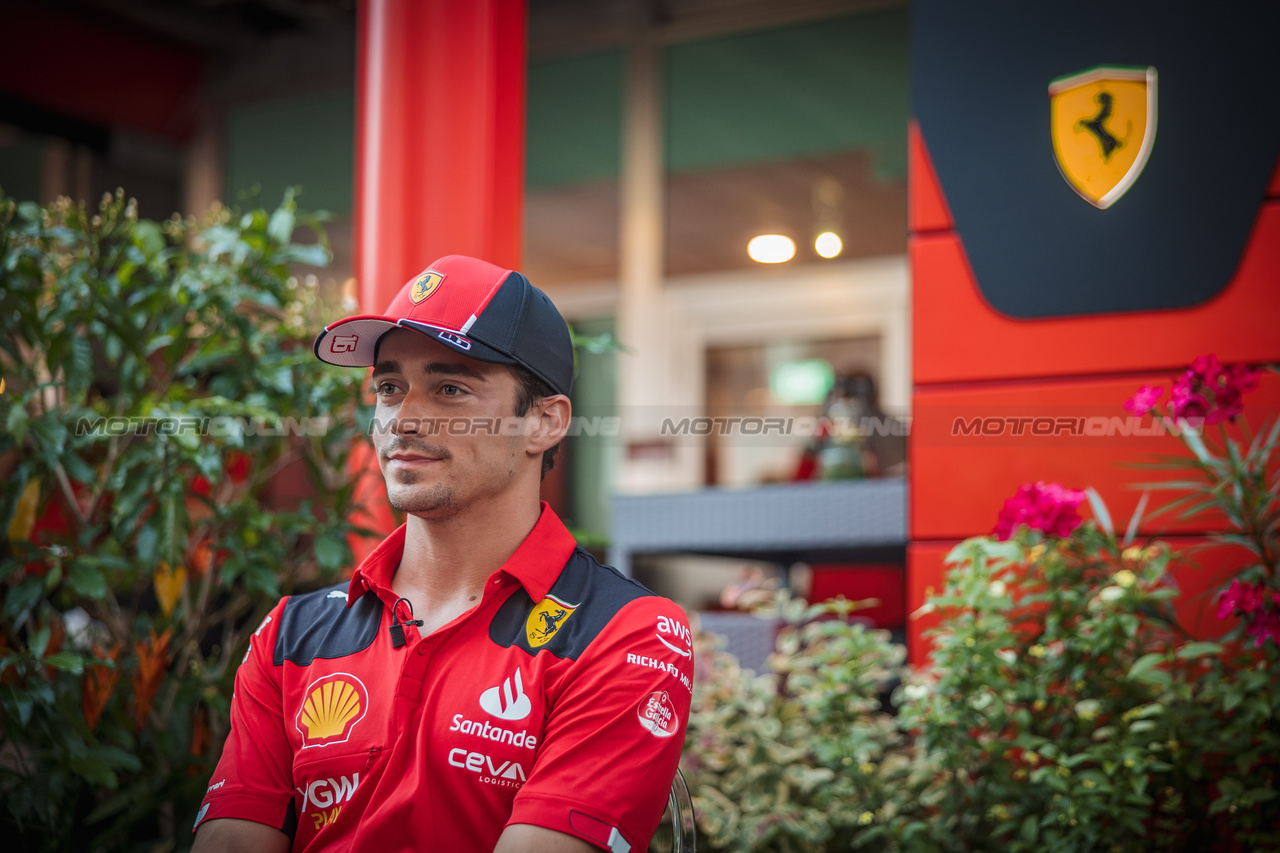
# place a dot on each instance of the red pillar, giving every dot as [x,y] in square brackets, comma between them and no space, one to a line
[440,92]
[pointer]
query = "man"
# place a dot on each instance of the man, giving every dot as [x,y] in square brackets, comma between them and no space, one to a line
[481,684]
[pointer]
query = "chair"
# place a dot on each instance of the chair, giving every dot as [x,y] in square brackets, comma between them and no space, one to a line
[680,805]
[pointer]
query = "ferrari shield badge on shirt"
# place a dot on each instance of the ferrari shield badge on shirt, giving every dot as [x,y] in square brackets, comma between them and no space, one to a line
[546,619]
[1103,124]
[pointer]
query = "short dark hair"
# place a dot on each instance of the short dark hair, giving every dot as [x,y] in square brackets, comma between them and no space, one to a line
[529,390]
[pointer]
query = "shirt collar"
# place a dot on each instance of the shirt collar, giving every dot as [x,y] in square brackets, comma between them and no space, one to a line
[535,564]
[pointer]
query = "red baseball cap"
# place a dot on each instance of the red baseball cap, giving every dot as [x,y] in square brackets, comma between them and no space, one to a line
[471,306]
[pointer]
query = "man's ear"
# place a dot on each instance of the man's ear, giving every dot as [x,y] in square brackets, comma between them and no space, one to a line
[554,414]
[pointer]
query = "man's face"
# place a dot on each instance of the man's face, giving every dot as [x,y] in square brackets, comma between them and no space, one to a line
[446,432]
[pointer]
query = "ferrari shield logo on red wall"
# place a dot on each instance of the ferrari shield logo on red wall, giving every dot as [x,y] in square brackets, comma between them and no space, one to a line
[1103,125]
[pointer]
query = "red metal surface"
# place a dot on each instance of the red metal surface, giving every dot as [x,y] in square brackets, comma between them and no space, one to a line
[959,482]
[926,208]
[440,88]
[439,137]
[970,360]
[857,582]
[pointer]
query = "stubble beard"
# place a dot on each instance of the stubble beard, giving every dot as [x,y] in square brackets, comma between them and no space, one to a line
[427,499]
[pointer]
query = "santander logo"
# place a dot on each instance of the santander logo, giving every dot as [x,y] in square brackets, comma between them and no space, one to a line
[505,703]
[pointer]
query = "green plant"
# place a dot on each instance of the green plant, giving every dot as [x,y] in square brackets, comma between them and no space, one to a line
[1068,708]
[803,757]
[172,460]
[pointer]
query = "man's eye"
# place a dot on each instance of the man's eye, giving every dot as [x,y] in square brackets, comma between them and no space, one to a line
[386,388]
[450,390]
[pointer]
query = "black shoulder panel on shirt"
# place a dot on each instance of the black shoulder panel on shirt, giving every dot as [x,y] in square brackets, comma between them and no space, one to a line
[577,607]
[320,625]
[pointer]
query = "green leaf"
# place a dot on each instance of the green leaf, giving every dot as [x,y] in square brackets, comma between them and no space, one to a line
[16,422]
[1030,829]
[20,599]
[280,228]
[1100,511]
[86,580]
[1146,669]
[1195,650]
[66,661]
[331,552]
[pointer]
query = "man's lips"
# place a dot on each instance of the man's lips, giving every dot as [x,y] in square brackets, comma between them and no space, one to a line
[411,459]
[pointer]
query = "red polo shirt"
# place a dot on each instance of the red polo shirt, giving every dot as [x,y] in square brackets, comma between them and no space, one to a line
[559,700]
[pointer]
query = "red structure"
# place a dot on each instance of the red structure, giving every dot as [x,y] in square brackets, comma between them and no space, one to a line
[970,360]
[440,93]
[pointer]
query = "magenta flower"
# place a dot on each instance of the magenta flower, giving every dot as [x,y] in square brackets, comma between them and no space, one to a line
[1211,390]
[1265,624]
[1243,597]
[1047,507]
[1145,400]
[1186,403]
[1257,605]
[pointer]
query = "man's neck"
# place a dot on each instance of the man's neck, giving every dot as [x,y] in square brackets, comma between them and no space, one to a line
[446,561]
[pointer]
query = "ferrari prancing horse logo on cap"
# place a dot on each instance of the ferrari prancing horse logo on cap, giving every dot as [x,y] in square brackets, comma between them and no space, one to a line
[425,285]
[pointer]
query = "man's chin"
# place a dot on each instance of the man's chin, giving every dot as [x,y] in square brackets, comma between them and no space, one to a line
[429,501]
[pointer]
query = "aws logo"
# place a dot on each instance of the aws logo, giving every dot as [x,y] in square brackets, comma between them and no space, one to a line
[546,619]
[332,708]
[425,285]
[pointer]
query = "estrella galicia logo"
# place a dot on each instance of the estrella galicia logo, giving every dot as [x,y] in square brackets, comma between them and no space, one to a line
[507,703]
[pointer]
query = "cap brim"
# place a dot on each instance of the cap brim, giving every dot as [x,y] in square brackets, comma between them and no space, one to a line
[353,342]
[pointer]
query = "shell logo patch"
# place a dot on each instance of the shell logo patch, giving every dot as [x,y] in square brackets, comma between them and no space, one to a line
[425,285]
[546,619]
[1103,125]
[332,707]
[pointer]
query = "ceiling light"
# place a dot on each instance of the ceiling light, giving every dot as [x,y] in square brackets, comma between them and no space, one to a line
[827,244]
[771,249]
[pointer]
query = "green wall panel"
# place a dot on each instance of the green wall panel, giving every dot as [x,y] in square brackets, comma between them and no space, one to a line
[22,168]
[788,93]
[307,142]
[574,125]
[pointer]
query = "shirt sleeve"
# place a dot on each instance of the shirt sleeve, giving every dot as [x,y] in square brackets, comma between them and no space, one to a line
[254,777]
[614,732]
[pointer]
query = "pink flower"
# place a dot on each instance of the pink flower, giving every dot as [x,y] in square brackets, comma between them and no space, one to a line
[1144,401]
[1185,403]
[1047,507]
[1265,624]
[1244,597]
[1257,605]
[1211,390]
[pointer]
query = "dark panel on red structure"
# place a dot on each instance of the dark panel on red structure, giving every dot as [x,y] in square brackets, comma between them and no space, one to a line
[981,74]
[981,213]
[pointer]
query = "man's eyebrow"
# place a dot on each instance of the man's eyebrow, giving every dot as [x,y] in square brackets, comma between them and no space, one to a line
[386,367]
[437,368]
